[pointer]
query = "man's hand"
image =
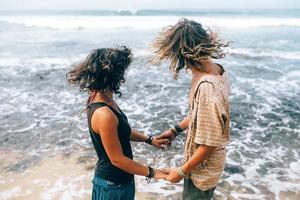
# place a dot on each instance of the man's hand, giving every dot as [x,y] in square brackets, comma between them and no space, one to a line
[159,142]
[173,176]
[168,134]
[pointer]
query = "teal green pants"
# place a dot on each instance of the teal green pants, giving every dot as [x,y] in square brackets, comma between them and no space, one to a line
[107,190]
[191,192]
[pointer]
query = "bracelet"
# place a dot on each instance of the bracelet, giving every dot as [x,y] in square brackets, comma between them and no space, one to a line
[178,130]
[149,140]
[150,175]
[181,173]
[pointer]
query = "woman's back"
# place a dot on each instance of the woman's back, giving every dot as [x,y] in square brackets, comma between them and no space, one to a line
[104,168]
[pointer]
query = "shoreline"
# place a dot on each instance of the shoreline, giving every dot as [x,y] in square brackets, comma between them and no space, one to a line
[69,177]
[60,177]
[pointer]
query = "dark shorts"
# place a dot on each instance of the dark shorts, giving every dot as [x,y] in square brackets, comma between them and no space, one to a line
[191,192]
[107,190]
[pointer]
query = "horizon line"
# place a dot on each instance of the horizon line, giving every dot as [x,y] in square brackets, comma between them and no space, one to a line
[147,9]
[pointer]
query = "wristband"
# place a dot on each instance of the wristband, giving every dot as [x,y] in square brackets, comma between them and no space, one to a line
[149,140]
[181,173]
[178,130]
[150,175]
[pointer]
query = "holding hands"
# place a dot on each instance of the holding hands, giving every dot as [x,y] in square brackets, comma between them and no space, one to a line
[169,135]
[161,174]
[176,174]
[173,175]
[159,142]
[164,138]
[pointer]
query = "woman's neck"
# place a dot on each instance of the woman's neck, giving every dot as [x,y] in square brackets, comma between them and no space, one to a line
[107,93]
[102,96]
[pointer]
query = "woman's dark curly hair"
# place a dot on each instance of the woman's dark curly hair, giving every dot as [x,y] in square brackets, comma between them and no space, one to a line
[187,42]
[103,69]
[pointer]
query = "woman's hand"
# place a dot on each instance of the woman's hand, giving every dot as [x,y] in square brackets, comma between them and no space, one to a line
[159,142]
[161,173]
[173,176]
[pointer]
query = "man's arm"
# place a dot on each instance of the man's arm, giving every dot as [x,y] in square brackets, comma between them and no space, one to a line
[202,153]
[171,133]
[208,133]
[183,124]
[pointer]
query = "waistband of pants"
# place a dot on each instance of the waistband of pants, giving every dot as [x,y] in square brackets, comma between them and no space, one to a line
[104,183]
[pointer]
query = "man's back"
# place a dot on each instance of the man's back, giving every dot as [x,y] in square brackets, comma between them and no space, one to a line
[209,125]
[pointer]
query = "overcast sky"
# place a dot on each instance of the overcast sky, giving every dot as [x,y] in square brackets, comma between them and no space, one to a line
[145,4]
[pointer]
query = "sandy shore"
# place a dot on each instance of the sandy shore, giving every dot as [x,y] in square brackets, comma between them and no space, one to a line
[69,177]
[57,177]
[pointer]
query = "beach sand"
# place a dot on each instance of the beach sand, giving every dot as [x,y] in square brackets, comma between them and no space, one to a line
[55,177]
[69,177]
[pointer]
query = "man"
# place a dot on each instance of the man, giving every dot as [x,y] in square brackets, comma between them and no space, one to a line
[188,46]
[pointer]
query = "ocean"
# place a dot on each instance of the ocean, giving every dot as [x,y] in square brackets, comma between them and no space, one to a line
[45,149]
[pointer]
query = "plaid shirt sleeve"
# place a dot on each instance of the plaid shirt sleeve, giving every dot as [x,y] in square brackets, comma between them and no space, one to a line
[209,123]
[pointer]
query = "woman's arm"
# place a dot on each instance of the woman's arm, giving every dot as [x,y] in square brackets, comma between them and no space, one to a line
[140,137]
[109,136]
[137,136]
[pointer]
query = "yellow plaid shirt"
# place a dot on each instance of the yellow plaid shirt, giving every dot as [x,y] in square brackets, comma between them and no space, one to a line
[209,125]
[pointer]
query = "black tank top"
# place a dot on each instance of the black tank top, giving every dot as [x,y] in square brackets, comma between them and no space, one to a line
[104,168]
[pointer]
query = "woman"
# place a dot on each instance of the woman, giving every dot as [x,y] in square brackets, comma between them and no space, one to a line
[101,75]
[189,46]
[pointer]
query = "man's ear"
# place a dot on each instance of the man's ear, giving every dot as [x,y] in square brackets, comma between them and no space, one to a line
[187,63]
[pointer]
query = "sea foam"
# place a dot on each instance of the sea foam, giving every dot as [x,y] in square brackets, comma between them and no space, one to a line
[144,22]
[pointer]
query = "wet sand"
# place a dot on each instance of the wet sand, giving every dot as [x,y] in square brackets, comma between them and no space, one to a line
[69,177]
[57,177]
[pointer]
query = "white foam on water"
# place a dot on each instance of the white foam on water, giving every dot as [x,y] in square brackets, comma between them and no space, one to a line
[141,52]
[4,62]
[157,186]
[292,75]
[67,190]
[38,64]
[138,107]
[30,127]
[293,55]
[144,22]
[9,193]
[270,90]
[235,91]
[295,169]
